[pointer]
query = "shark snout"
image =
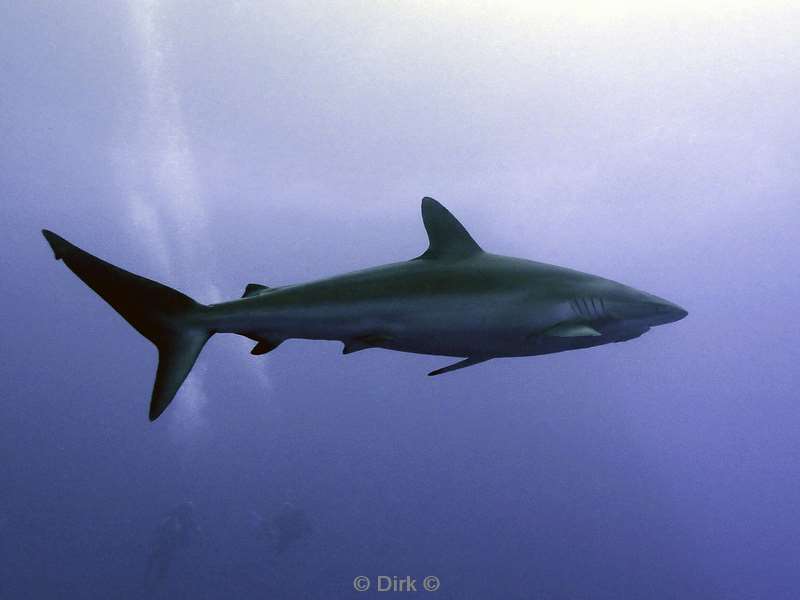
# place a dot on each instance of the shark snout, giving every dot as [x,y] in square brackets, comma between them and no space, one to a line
[673,312]
[647,309]
[664,311]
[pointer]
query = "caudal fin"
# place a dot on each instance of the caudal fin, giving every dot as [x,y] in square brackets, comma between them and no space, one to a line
[166,317]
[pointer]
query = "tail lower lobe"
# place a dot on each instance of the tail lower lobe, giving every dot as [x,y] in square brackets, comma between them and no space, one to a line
[166,317]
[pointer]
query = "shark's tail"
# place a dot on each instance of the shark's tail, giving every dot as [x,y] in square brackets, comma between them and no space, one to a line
[171,320]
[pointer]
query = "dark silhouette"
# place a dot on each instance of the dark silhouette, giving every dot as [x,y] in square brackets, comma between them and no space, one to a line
[284,528]
[178,530]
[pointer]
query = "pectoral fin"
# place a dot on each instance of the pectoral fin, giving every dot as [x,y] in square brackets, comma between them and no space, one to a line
[571,330]
[467,362]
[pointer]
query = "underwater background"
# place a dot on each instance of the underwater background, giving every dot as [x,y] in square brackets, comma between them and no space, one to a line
[208,145]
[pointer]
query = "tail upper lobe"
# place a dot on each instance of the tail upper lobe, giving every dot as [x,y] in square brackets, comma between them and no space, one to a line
[169,319]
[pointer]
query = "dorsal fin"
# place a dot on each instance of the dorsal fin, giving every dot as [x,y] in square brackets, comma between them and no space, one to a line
[253,289]
[447,238]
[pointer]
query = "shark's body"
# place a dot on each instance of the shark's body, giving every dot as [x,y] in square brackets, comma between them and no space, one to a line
[455,299]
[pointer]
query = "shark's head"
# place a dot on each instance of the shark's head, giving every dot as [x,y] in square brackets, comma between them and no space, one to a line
[626,312]
[617,311]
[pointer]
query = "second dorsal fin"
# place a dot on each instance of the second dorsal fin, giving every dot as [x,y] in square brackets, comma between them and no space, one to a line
[447,238]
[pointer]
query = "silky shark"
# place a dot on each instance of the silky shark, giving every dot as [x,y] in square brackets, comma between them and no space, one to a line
[454,299]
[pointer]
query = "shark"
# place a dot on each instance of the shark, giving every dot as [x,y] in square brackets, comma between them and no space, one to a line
[455,299]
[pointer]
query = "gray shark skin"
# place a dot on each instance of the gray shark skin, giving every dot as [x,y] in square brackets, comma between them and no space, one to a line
[455,299]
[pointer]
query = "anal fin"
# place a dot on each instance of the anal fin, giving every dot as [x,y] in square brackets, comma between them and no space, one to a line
[467,362]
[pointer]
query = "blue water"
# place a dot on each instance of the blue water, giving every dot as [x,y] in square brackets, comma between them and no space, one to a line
[209,146]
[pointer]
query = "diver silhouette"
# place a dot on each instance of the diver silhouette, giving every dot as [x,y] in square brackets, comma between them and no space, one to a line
[178,530]
[283,529]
